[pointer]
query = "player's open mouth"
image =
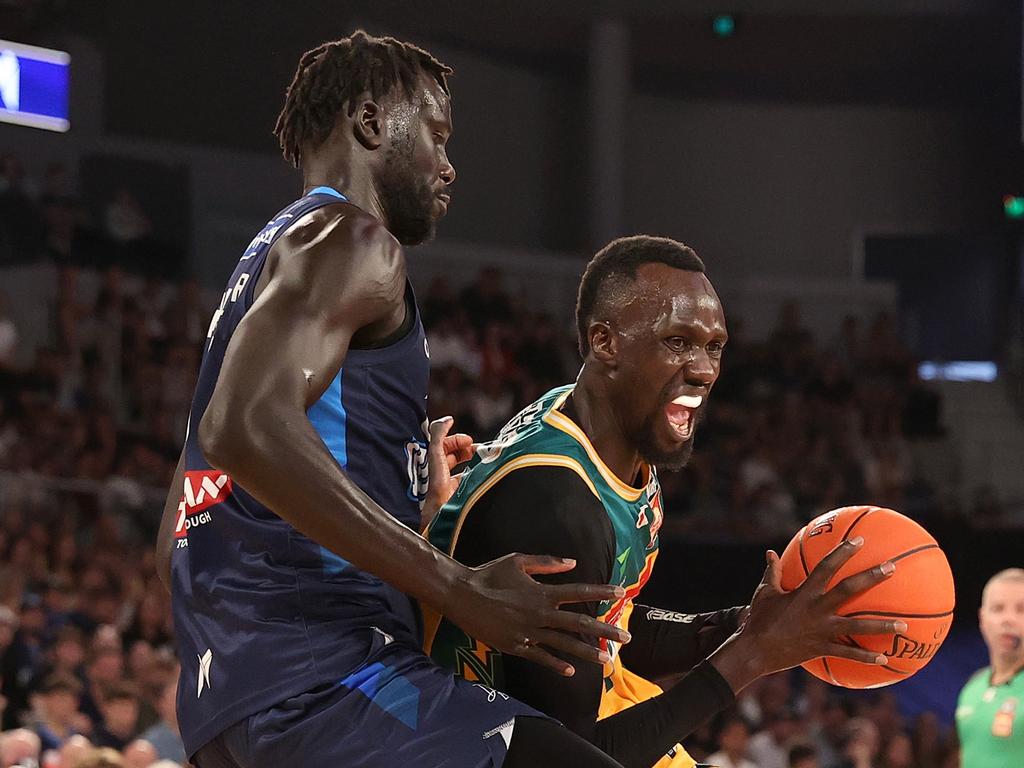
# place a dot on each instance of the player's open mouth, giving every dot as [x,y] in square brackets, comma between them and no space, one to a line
[682,415]
[444,199]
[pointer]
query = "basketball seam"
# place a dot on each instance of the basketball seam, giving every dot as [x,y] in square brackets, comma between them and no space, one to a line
[828,671]
[887,614]
[803,560]
[914,551]
[860,517]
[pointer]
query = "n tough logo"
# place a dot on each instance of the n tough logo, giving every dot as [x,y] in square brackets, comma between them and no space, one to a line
[202,489]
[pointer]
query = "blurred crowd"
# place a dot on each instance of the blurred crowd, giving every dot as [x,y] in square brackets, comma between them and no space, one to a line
[92,421]
[792,720]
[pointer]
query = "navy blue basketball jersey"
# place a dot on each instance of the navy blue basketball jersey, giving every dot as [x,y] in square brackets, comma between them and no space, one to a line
[261,612]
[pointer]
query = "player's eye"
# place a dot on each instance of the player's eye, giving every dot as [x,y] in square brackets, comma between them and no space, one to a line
[676,343]
[715,348]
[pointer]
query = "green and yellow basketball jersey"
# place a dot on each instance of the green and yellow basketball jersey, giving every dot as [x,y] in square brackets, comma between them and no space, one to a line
[990,722]
[541,435]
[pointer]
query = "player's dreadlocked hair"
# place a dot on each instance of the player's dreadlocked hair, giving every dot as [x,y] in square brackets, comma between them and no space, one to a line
[618,262]
[334,75]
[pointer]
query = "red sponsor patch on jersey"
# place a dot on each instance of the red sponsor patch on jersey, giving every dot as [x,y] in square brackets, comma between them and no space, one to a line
[202,489]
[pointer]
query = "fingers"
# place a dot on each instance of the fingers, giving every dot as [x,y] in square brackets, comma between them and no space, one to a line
[437,463]
[845,626]
[558,641]
[581,624]
[544,563]
[857,654]
[859,582]
[773,573]
[832,562]
[458,449]
[584,593]
[439,428]
[542,657]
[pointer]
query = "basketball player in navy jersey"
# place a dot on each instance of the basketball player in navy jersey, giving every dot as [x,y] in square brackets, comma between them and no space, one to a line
[289,535]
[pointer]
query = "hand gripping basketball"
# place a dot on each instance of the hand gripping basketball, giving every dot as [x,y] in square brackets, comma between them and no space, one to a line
[785,629]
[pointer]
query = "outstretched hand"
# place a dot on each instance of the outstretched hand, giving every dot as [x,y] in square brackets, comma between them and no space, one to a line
[784,629]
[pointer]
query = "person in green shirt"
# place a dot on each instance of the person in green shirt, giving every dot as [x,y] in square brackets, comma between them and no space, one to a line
[990,710]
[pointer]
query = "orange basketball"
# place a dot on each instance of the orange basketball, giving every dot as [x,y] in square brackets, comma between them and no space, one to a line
[920,592]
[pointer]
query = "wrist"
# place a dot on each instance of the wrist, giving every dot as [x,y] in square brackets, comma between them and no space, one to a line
[448,588]
[738,662]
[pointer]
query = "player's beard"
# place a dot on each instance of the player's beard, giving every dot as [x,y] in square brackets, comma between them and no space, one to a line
[408,204]
[671,460]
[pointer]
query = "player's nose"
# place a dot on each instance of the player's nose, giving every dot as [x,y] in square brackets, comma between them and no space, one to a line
[447,170]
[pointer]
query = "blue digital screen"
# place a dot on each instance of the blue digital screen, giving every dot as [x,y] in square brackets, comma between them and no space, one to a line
[34,86]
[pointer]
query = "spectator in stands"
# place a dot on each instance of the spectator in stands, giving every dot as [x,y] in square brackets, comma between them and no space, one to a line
[860,749]
[733,739]
[802,756]
[16,669]
[57,710]
[897,752]
[20,747]
[139,754]
[104,757]
[74,750]
[164,735]
[119,705]
[829,733]
[768,748]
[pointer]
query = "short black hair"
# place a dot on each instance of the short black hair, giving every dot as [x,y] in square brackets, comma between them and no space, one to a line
[617,262]
[335,74]
[61,682]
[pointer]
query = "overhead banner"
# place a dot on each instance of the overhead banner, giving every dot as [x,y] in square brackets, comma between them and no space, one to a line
[34,86]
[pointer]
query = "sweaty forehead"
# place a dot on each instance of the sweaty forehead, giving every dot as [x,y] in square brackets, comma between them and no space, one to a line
[433,102]
[666,294]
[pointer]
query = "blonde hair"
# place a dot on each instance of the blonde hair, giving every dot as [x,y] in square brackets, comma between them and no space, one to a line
[1007,574]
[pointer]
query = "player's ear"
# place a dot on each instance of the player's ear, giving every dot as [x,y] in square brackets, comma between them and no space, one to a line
[368,124]
[604,345]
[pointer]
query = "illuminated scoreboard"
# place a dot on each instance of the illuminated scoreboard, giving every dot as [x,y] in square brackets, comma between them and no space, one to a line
[34,86]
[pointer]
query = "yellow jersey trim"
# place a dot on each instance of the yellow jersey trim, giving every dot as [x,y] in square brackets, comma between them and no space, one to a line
[560,421]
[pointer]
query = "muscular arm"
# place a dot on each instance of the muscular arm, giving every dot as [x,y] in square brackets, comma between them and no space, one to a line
[331,276]
[550,509]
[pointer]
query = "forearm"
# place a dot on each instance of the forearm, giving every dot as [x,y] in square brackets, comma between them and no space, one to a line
[283,462]
[640,735]
[670,643]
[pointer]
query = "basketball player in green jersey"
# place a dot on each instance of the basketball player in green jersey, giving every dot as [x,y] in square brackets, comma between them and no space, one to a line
[574,473]
[990,710]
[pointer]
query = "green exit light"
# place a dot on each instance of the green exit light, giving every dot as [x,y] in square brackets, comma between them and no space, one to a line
[723,25]
[1014,206]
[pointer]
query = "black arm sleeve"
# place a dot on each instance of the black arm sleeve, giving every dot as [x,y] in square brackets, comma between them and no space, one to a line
[669,643]
[551,511]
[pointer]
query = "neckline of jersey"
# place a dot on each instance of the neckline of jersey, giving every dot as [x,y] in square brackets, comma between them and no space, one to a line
[325,190]
[1008,680]
[561,421]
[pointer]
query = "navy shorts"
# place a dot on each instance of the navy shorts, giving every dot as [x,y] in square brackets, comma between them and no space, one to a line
[398,710]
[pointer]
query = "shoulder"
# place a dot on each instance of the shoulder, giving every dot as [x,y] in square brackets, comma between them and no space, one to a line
[544,510]
[553,484]
[978,680]
[344,247]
